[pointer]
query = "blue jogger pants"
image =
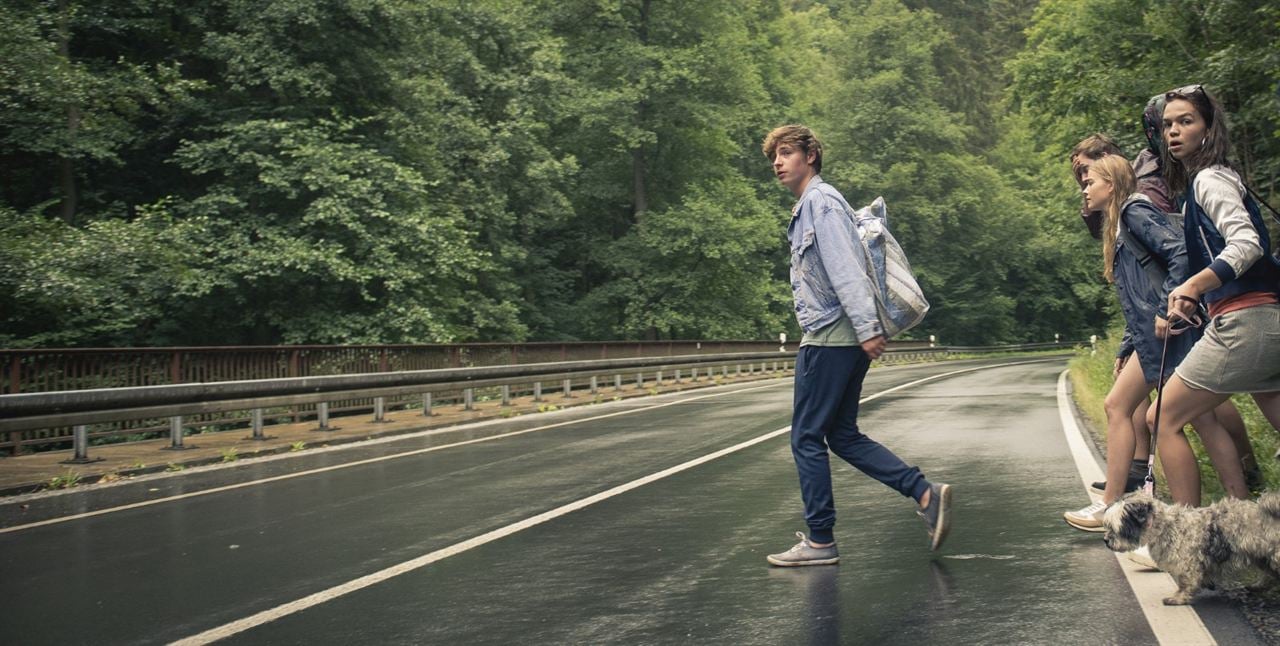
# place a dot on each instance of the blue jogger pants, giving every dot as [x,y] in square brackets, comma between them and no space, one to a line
[827,388]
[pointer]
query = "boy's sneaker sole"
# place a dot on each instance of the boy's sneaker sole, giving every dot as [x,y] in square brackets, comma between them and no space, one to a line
[781,563]
[804,553]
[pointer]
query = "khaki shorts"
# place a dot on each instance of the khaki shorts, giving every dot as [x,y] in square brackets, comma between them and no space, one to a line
[1239,353]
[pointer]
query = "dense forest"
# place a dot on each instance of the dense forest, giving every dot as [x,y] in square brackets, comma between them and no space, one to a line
[416,171]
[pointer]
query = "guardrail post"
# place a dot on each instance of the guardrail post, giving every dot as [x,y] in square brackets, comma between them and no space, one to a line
[657,379]
[175,435]
[506,394]
[257,426]
[537,391]
[694,376]
[568,385]
[82,443]
[639,381]
[81,433]
[379,409]
[617,382]
[468,399]
[677,375]
[426,405]
[322,417]
[594,389]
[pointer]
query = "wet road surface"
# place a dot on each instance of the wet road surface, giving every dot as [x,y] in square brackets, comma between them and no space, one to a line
[672,561]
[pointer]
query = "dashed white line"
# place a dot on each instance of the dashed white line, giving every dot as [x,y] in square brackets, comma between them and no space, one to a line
[292,607]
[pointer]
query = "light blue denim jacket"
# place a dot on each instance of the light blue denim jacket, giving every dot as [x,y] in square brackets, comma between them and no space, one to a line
[828,269]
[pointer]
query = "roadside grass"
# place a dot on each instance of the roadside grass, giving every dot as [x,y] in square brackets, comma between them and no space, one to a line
[1090,374]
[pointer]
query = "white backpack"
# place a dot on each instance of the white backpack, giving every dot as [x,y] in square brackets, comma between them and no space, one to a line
[900,303]
[899,300]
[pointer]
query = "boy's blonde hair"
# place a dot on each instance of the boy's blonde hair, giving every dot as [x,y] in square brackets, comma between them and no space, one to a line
[798,136]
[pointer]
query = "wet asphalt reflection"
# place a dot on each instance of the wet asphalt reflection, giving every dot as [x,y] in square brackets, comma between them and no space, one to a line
[674,561]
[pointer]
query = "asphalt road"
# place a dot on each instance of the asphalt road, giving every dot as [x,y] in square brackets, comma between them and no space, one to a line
[428,539]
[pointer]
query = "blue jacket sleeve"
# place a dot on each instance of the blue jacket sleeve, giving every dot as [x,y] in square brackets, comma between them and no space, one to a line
[1154,231]
[1126,345]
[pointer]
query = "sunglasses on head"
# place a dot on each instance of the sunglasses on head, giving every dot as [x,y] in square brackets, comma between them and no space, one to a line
[1186,90]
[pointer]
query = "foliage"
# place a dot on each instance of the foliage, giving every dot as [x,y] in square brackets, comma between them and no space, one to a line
[66,480]
[373,171]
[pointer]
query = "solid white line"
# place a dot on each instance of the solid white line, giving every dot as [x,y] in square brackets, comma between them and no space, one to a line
[1171,624]
[266,616]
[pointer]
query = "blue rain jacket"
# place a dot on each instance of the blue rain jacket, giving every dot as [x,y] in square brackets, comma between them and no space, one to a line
[1140,300]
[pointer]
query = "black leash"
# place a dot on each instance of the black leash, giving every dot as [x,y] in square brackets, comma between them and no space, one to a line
[1179,323]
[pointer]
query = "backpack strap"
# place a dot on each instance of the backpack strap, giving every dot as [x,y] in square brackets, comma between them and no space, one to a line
[1152,264]
[1258,198]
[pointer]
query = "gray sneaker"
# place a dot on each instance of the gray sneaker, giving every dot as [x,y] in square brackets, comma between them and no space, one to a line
[804,553]
[937,516]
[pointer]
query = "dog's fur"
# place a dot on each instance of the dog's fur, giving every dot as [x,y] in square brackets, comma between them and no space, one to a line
[1196,546]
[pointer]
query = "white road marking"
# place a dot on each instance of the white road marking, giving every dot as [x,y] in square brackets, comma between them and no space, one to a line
[345,465]
[283,610]
[1171,624]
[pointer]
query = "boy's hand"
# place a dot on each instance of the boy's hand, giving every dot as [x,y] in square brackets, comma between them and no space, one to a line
[874,347]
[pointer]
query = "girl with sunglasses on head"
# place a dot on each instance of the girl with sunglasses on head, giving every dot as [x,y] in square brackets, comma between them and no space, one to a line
[1136,237]
[1228,250]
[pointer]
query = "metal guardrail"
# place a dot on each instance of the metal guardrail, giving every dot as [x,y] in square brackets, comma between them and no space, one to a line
[78,409]
[47,369]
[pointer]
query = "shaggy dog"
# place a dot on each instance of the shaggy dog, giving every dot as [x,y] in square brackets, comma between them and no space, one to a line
[1197,545]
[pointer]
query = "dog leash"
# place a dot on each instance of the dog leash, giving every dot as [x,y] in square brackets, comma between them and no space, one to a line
[1149,484]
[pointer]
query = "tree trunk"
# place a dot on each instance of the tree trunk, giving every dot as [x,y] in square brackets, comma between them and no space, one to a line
[640,199]
[66,170]
[639,194]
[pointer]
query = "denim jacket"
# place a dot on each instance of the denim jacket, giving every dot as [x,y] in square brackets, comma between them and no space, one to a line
[1140,300]
[828,269]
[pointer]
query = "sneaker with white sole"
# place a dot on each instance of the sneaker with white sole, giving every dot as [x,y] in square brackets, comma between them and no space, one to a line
[804,553]
[1142,556]
[1088,519]
[937,516]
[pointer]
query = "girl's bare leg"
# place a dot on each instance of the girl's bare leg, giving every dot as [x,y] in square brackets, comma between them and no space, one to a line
[1229,417]
[1269,404]
[1180,404]
[1141,432]
[1129,390]
[1221,448]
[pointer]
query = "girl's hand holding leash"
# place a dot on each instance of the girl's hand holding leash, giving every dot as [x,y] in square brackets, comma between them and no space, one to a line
[1177,323]
[1184,300]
